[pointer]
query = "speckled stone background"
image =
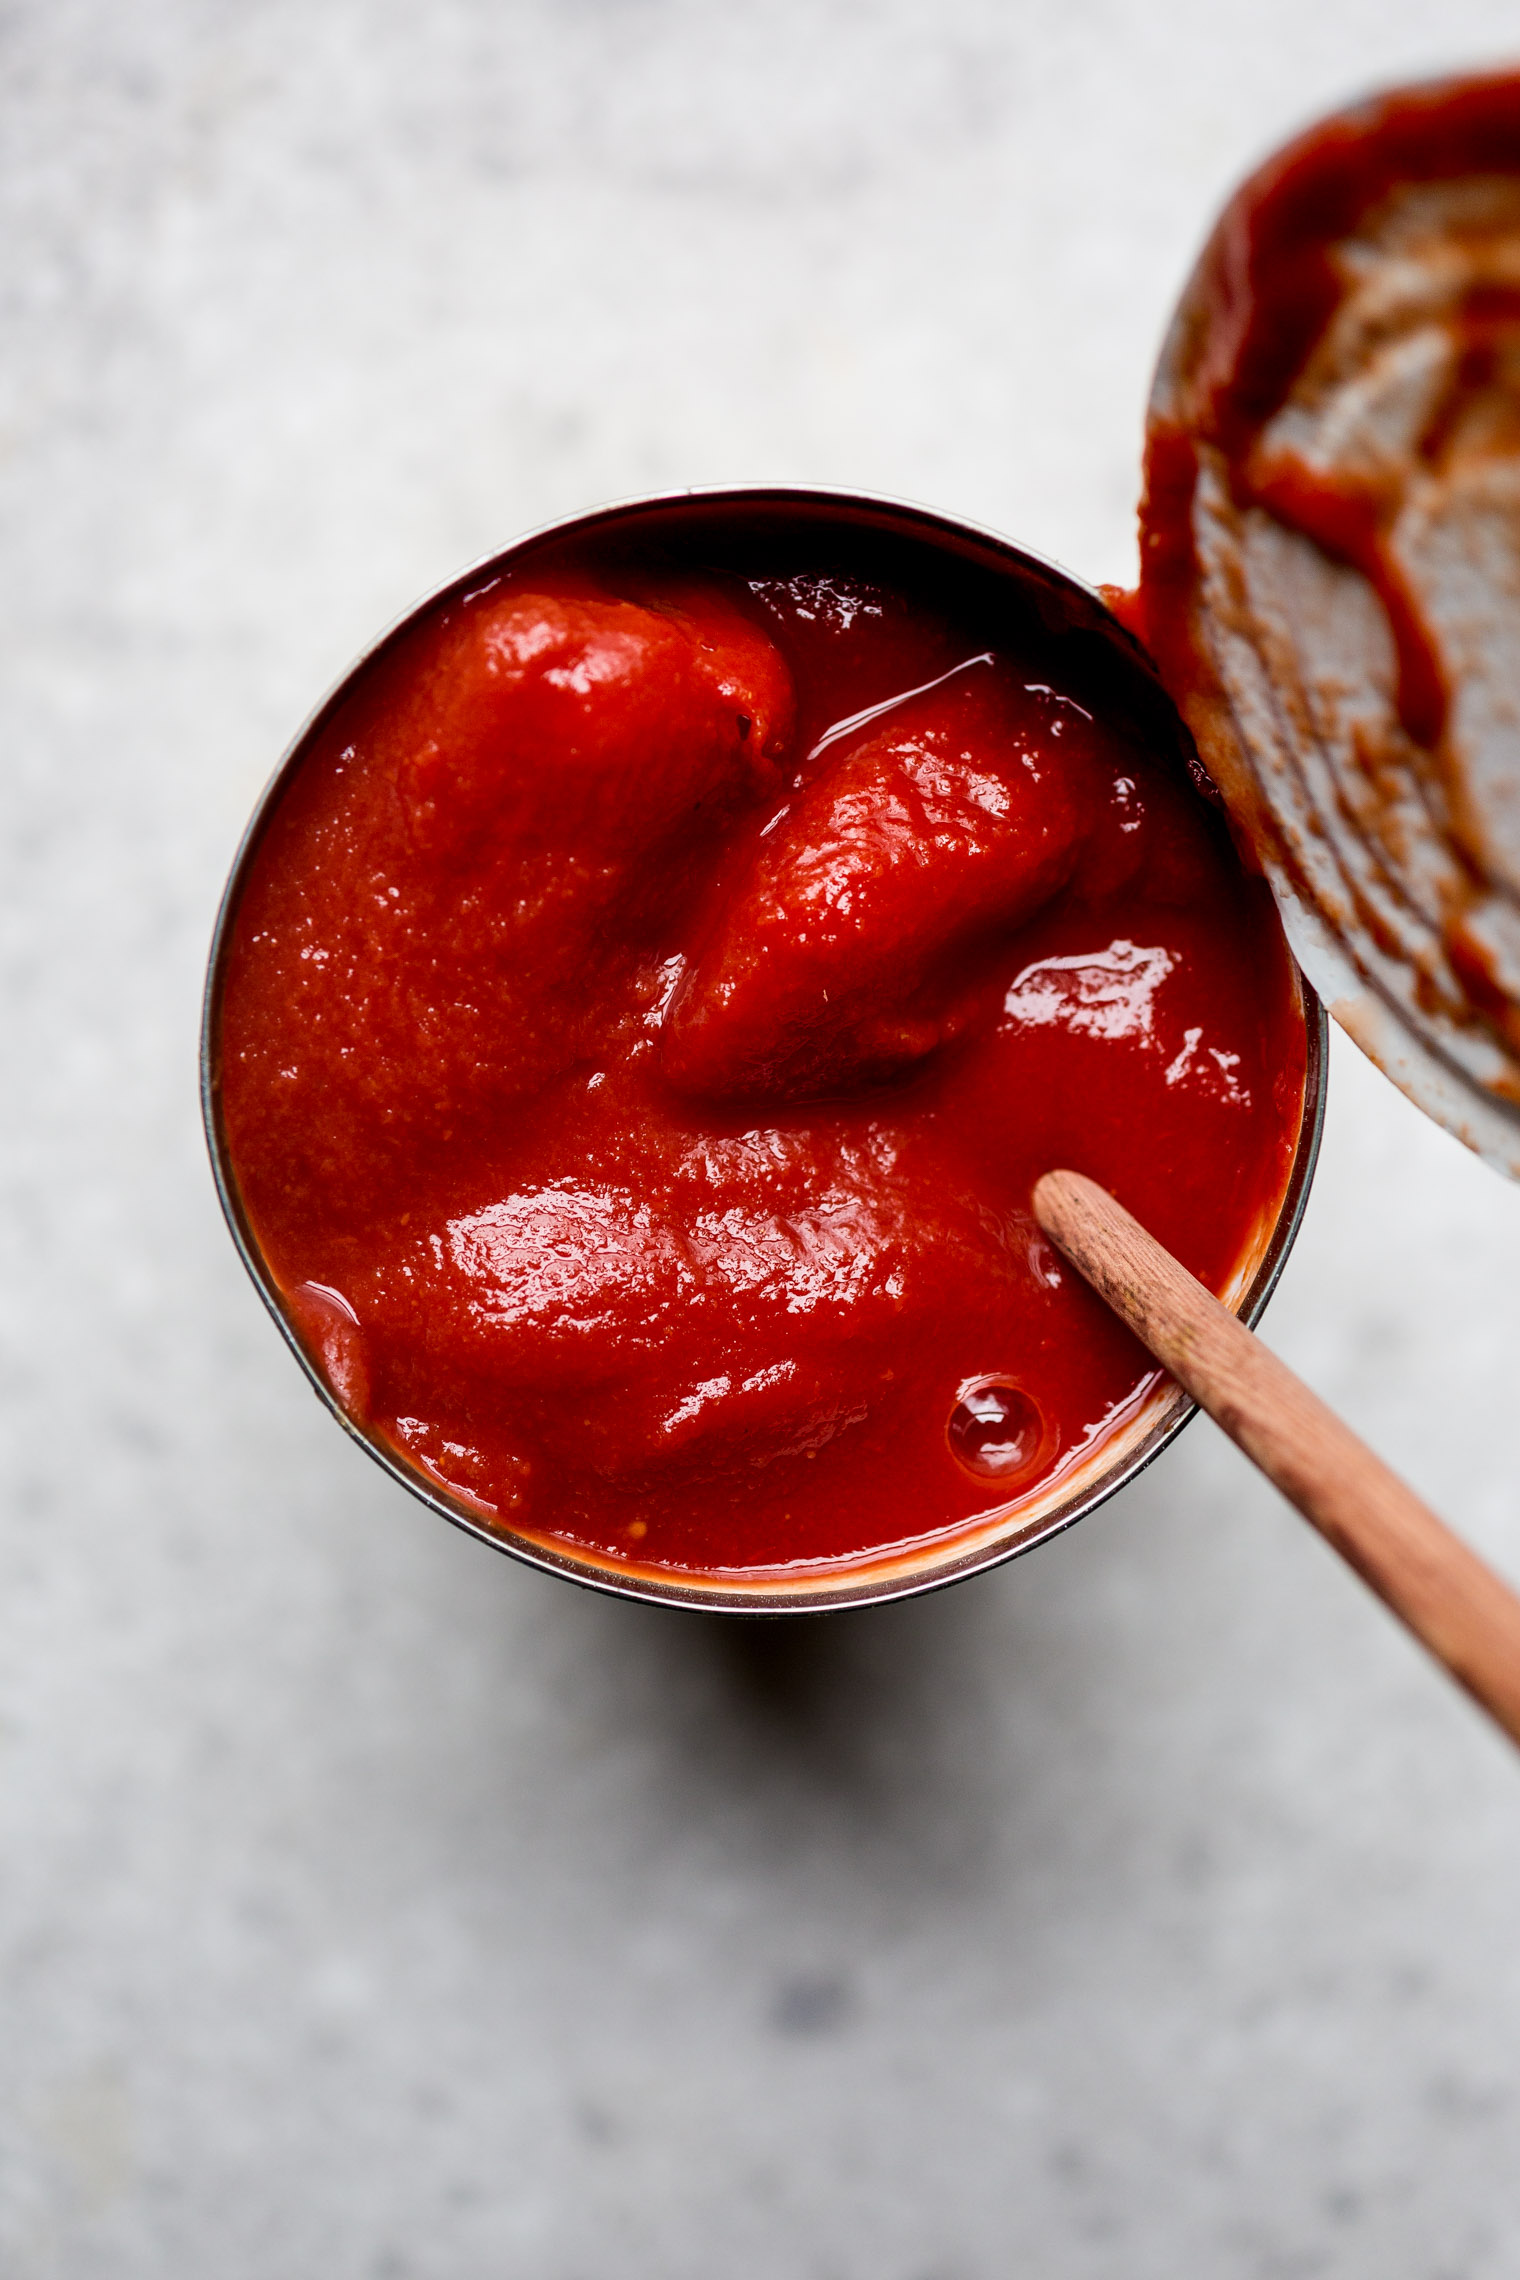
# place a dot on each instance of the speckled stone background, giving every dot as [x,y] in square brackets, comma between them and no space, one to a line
[371,1909]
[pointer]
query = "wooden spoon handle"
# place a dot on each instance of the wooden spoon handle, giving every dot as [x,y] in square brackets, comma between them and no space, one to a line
[1464,1614]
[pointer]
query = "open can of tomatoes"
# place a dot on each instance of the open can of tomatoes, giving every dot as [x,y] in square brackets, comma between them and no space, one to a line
[646,997]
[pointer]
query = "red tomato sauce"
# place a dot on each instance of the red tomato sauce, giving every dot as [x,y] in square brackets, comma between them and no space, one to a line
[651,1001]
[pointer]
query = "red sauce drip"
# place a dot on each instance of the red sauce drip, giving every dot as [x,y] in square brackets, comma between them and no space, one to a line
[650,1005]
[1350,522]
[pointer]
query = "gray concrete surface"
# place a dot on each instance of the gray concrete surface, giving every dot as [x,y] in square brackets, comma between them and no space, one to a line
[370,1909]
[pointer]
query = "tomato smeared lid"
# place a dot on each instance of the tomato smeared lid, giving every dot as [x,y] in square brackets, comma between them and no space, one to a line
[1330,547]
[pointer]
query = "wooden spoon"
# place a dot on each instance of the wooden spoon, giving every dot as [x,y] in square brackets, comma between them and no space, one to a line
[1452,1602]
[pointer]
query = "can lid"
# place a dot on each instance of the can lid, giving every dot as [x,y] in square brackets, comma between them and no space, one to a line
[1330,581]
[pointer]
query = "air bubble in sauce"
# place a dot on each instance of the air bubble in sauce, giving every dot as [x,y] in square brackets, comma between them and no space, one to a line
[995,1430]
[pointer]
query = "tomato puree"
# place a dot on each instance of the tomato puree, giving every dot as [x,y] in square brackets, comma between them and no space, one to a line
[651,1000]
